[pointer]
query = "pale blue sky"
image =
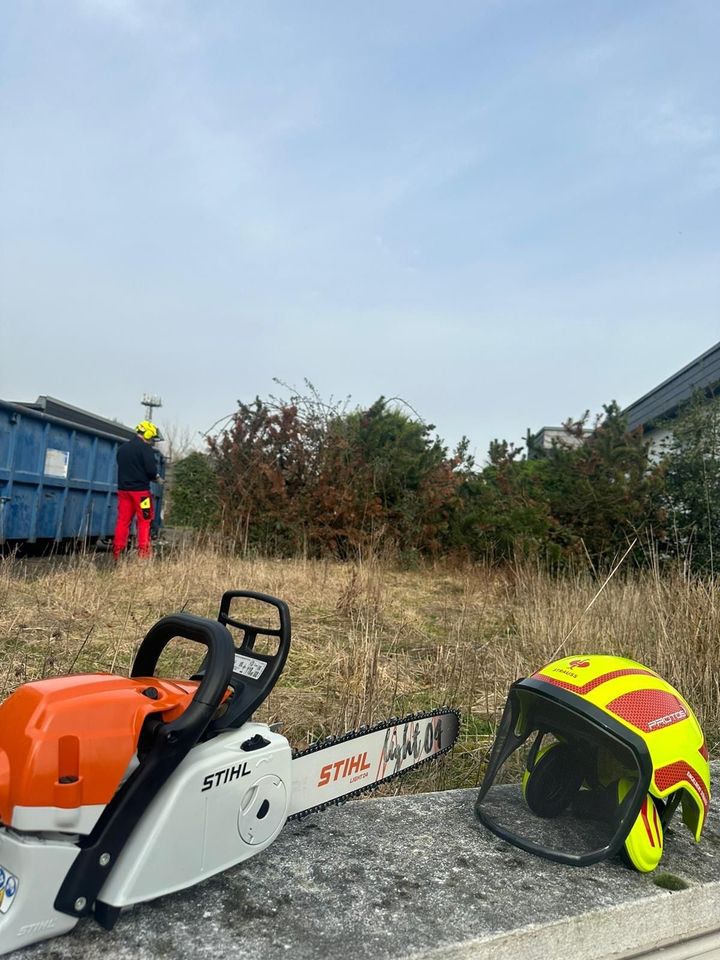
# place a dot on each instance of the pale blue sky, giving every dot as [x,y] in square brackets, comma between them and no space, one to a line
[503,212]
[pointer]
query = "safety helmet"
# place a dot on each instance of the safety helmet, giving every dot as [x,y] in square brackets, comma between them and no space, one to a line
[592,757]
[148,430]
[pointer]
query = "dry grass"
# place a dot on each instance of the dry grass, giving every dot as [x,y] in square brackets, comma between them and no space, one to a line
[369,641]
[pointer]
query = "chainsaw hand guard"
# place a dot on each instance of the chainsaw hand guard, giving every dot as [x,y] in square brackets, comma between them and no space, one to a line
[254,674]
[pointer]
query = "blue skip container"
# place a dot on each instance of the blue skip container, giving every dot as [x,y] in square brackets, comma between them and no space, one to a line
[58,473]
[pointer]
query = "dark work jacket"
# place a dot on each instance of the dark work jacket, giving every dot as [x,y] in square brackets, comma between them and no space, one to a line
[136,465]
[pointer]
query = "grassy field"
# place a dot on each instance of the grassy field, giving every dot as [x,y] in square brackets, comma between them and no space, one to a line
[369,641]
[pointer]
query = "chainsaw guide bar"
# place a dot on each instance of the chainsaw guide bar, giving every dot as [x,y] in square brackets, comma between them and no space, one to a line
[390,748]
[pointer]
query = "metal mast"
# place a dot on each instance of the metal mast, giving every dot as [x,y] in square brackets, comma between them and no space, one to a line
[150,401]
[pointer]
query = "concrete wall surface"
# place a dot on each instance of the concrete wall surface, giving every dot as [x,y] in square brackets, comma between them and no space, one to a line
[417,877]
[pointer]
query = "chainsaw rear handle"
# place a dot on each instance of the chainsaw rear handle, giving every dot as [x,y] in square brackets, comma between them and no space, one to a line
[218,664]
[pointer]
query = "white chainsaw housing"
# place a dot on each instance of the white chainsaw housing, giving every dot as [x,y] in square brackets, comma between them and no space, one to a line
[32,869]
[222,805]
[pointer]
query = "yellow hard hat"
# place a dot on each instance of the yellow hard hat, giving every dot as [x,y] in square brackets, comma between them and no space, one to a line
[147,429]
[602,751]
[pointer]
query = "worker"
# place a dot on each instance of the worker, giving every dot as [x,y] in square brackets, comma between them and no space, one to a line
[137,469]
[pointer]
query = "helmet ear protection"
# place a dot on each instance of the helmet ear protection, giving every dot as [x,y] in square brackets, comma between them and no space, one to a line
[552,782]
[552,779]
[644,842]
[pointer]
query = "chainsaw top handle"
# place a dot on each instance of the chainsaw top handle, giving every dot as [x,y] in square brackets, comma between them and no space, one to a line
[218,666]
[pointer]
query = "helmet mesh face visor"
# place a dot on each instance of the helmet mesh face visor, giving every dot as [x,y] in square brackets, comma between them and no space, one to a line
[558,783]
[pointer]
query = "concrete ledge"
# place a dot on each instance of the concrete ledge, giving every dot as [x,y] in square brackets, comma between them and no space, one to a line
[630,930]
[416,877]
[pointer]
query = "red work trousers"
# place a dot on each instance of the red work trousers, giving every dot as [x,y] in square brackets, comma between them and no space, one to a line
[128,506]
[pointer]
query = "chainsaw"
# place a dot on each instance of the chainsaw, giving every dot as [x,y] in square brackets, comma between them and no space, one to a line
[116,790]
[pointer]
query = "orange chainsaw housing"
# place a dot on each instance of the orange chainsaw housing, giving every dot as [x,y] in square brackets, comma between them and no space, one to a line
[67,742]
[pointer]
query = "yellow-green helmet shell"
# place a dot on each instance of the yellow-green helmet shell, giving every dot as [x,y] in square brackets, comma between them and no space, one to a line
[651,708]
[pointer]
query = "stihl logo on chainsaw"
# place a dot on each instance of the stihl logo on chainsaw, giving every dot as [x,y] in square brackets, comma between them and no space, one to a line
[404,745]
[344,768]
[225,776]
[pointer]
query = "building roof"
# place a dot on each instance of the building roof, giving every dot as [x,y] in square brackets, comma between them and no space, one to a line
[663,401]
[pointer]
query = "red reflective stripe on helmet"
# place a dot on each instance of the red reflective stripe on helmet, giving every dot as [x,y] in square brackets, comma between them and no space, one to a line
[675,773]
[658,831]
[703,751]
[648,710]
[591,684]
[643,811]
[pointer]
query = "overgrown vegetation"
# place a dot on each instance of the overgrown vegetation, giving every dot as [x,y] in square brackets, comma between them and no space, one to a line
[194,492]
[507,564]
[691,489]
[306,478]
[370,641]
